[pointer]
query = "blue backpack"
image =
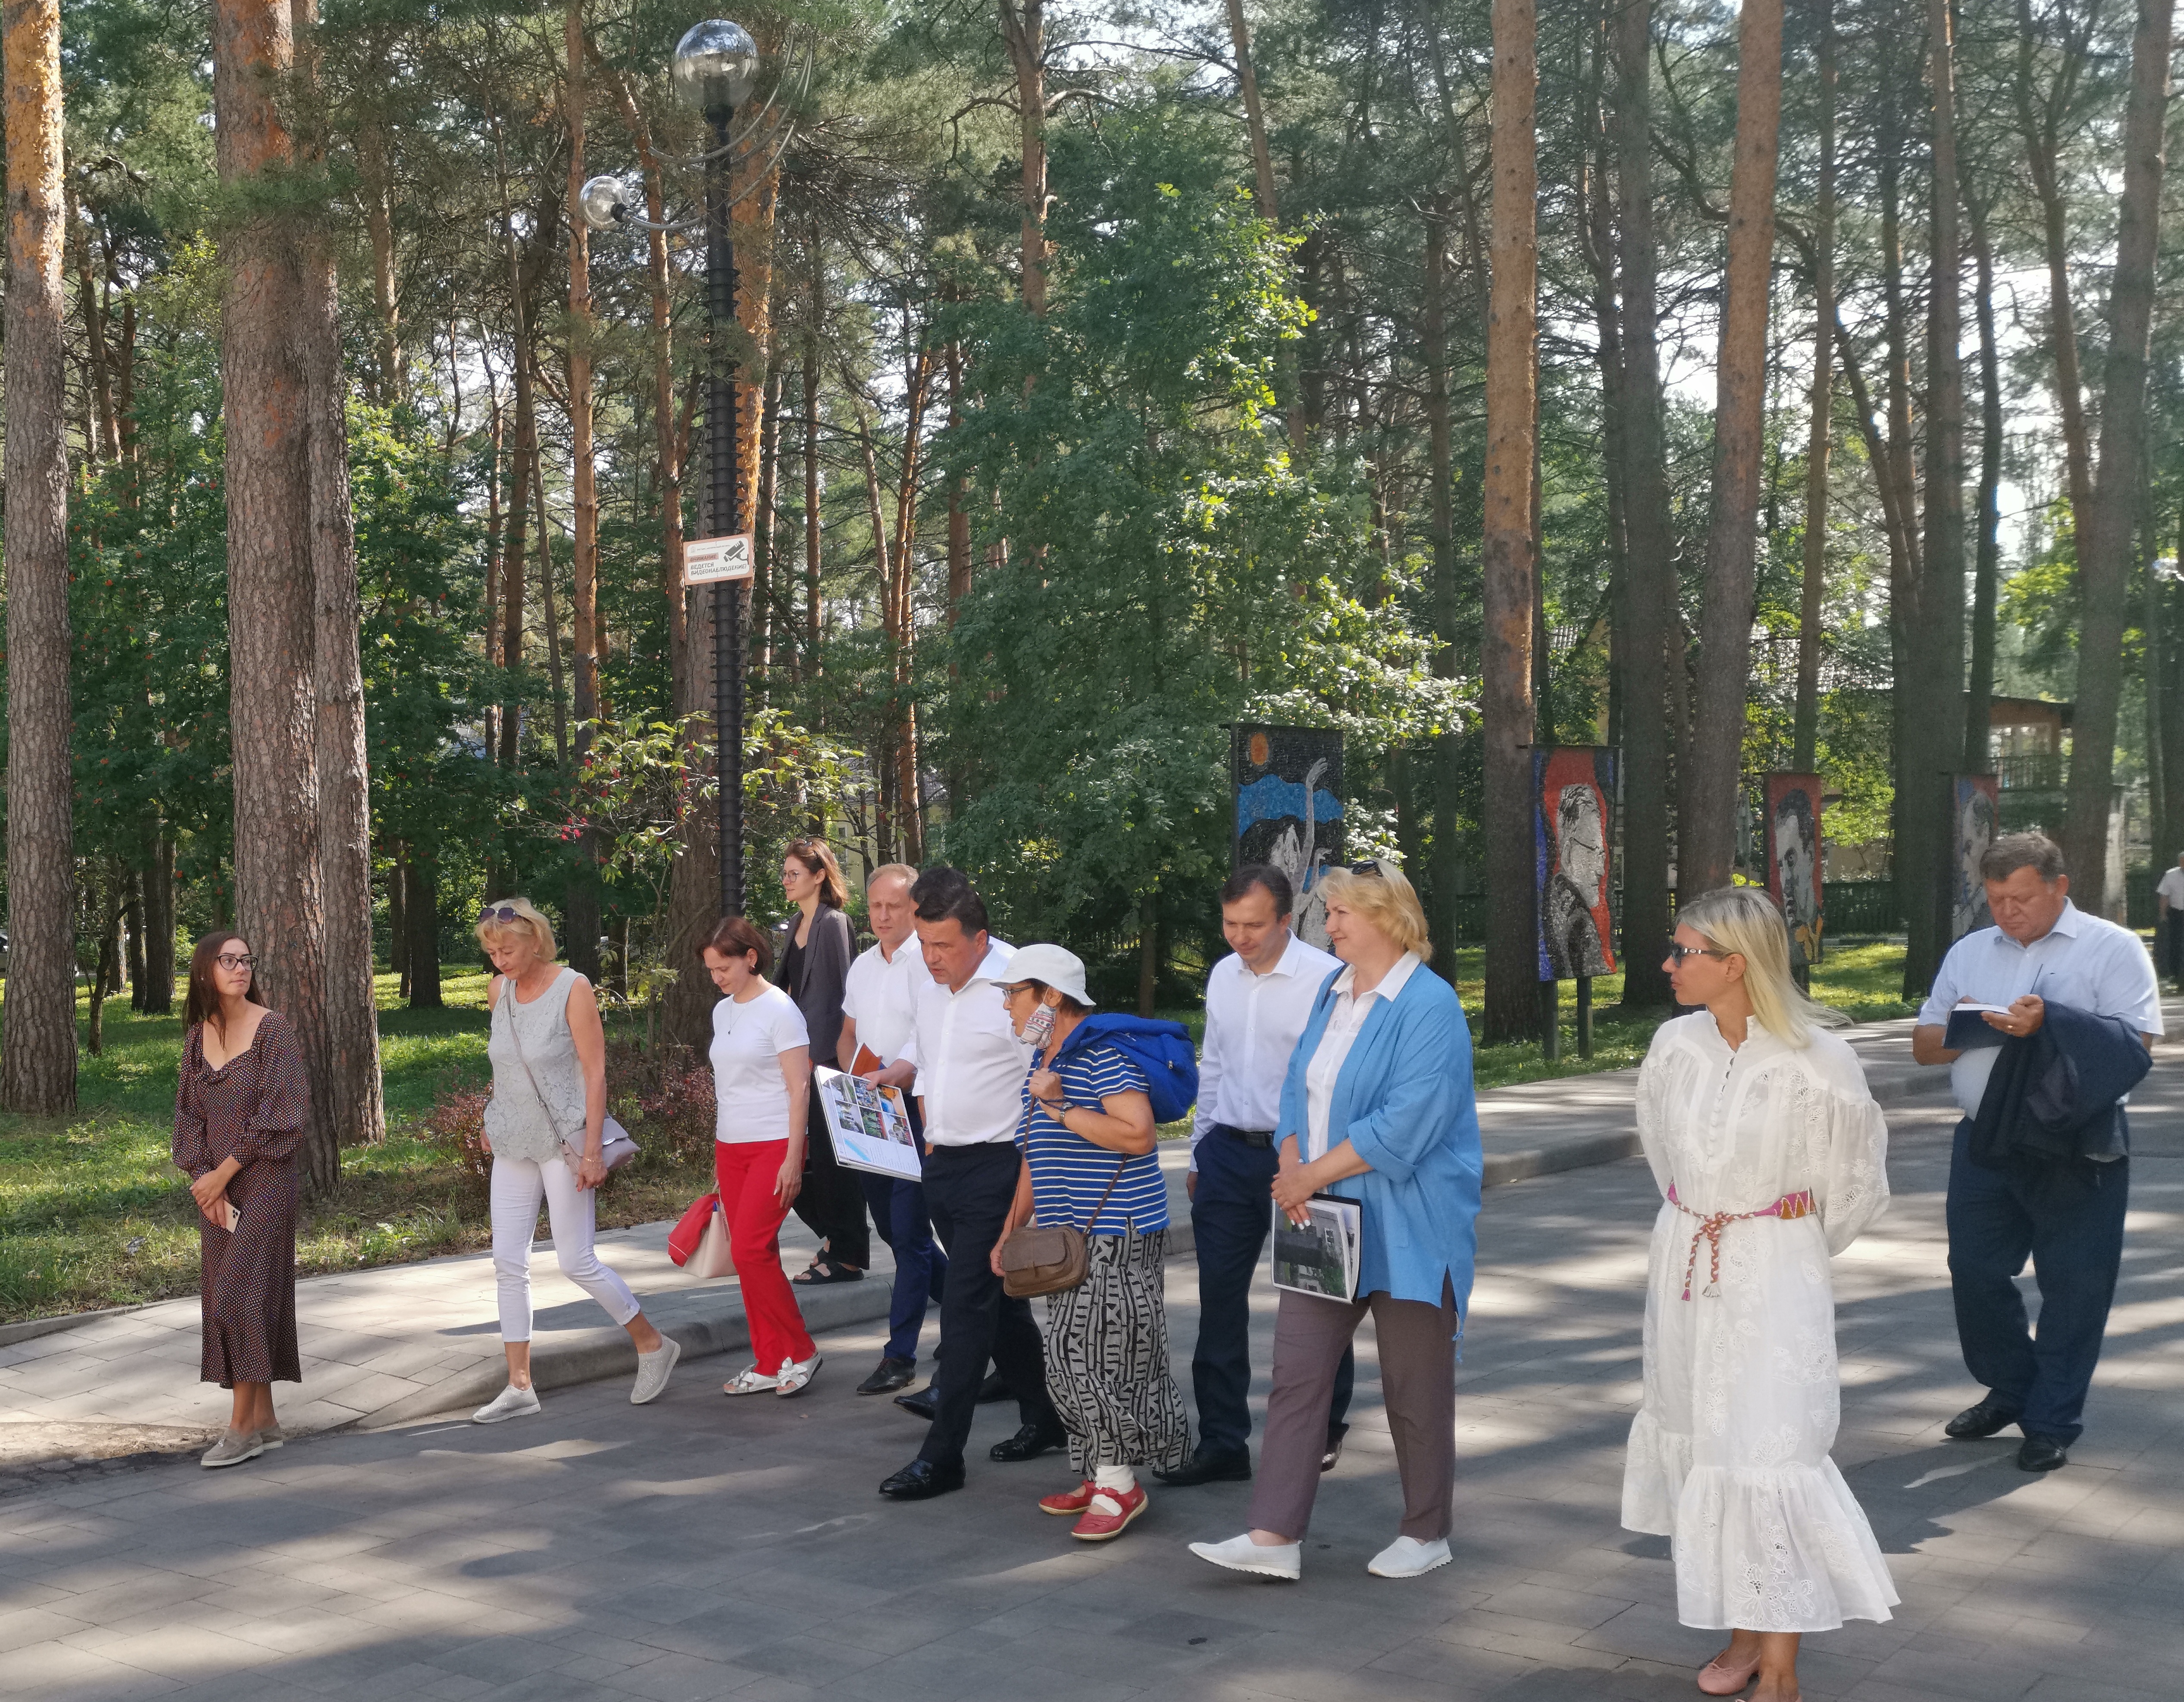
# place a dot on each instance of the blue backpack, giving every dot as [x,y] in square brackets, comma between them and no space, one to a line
[1160,1049]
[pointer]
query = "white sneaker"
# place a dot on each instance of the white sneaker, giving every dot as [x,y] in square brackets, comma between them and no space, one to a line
[652,1370]
[1242,1554]
[511,1403]
[797,1374]
[1406,1557]
[751,1381]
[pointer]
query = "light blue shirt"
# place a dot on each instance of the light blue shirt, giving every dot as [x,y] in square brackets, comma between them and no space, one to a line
[2083,962]
[1403,1099]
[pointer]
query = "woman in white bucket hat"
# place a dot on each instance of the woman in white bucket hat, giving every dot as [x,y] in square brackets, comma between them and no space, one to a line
[1088,1135]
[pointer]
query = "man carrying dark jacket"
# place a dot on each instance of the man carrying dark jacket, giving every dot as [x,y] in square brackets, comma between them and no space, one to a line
[2041,1166]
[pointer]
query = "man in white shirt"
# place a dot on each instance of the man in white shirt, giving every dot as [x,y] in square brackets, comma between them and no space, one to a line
[1257,1002]
[2168,900]
[2042,950]
[969,1067]
[879,1003]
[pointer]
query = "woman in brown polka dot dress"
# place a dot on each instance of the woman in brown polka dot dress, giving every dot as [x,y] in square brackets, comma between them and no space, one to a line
[239,1116]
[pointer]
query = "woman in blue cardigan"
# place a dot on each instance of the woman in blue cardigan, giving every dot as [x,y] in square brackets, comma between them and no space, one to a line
[1377,1108]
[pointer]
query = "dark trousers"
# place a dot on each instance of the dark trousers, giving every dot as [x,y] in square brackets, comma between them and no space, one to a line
[832,1204]
[2172,941]
[921,1268]
[2071,1227]
[1231,1213]
[968,1191]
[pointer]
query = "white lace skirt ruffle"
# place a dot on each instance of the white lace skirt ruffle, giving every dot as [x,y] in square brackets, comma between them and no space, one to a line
[1783,1548]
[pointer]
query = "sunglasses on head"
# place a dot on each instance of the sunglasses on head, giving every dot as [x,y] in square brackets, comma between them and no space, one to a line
[501,913]
[1371,866]
[1676,953]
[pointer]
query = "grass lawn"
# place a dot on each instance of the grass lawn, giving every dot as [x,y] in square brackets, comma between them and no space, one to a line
[94,1213]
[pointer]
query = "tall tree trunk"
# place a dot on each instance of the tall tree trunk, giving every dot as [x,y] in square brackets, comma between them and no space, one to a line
[159,925]
[421,910]
[811,472]
[398,916]
[2040,126]
[2105,540]
[1597,233]
[1262,167]
[1651,567]
[1447,596]
[1506,663]
[2156,765]
[1939,653]
[272,627]
[352,1090]
[1713,774]
[555,681]
[667,461]
[1804,741]
[133,915]
[1987,568]
[903,580]
[376,173]
[37,1021]
[763,598]
[584,895]
[1023,29]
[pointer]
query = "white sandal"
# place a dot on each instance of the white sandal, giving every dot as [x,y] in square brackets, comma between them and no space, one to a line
[796,1375]
[751,1381]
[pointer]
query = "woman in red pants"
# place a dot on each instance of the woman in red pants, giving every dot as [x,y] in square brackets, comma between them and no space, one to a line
[761,1059]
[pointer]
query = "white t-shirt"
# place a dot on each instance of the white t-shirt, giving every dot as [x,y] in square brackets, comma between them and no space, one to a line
[2171,886]
[750,1094]
[881,997]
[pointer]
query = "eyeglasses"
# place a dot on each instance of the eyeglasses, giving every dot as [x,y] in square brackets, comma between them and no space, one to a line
[501,913]
[1370,865]
[230,960]
[1676,953]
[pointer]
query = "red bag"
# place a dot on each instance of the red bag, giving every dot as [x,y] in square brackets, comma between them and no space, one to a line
[682,1240]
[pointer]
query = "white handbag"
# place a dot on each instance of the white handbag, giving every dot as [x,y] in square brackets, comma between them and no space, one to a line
[616,1149]
[714,1257]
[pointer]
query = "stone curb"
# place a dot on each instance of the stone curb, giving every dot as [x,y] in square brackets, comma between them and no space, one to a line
[29,1329]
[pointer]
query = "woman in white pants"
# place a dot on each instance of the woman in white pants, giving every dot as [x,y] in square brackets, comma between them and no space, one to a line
[545,1125]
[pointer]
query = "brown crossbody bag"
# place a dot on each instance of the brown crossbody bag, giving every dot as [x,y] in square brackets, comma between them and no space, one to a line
[1040,1259]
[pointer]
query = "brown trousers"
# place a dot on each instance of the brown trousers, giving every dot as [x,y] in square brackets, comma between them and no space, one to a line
[1417,1379]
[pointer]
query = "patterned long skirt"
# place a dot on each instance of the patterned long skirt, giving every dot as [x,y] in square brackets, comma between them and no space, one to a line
[1108,1359]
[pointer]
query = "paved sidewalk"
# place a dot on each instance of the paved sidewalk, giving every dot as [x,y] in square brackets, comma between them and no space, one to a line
[701,1549]
[391,1344]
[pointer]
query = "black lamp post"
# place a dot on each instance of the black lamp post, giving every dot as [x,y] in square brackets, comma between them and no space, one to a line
[716,62]
[715,66]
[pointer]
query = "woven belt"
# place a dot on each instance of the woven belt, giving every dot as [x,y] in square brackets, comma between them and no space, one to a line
[1711,1225]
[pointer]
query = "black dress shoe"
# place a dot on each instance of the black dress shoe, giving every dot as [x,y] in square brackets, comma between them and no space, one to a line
[925,1404]
[996,1388]
[1983,1419]
[891,1375]
[1334,1453]
[2041,1453]
[921,1480]
[1027,1443]
[1208,1468]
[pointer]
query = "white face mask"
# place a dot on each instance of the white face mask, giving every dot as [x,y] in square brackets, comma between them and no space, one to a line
[1040,1026]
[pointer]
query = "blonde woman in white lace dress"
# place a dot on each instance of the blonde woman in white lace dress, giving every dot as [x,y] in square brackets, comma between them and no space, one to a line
[1771,1157]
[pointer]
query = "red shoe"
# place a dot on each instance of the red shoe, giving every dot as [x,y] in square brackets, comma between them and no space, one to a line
[1067,1503]
[1109,1514]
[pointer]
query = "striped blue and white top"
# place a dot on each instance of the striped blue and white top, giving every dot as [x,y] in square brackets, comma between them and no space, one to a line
[1069,1173]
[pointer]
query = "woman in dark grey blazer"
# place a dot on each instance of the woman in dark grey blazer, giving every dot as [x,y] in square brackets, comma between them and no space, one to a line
[815,948]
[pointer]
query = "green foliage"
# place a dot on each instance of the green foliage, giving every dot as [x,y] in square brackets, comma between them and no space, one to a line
[1169,567]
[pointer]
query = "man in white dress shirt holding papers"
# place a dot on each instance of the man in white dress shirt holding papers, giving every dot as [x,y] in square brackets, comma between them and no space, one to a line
[2042,950]
[879,1003]
[1257,1002]
[969,1068]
